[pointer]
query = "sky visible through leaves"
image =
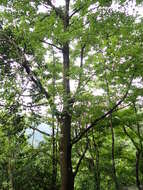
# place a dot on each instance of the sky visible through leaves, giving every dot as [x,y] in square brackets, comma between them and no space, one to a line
[132,10]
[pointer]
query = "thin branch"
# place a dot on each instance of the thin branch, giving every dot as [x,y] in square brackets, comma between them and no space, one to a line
[35,105]
[131,128]
[92,125]
[134,143]
[26,66]
[58,11]
[81,65]
[32,75]
[50,44]
[42,132]
[80,160]
[34,78]
[76,11]
[29,95]
[44,17]
[138,125]
[125,106]
[2,105]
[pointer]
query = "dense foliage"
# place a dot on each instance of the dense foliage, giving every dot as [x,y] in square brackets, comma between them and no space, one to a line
[75,67]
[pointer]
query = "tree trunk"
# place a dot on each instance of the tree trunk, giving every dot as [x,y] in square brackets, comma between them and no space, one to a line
[54,143]
[113,136]
[67,178]
[137,170]
[138,152]
[54,159]
[97,169]
[10,175]
[113,156]
[97,165]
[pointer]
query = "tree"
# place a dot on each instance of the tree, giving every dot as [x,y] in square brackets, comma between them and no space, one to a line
[89,31]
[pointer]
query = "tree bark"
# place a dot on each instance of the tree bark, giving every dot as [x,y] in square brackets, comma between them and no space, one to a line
[67,179]
[112,134]
[97,169]
[54,159]
[138,152]
[113,156]
[97,164]
[54,143]
[10,173]
[137,170]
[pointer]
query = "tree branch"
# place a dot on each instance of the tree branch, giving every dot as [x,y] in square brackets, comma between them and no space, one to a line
[50,44]
[58,11]
[76,11]
[80,160]
[134,143]
[35,105]
[80,75]
[42,132]
[2,105]
[81,65]
[92,125]
[32,75]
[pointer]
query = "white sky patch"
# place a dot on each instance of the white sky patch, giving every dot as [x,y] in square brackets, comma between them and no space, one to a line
[138,83]
[57,3]
[98,92]
[140,100]
[42,9]
[37,137]
[131,8]
[73,85]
